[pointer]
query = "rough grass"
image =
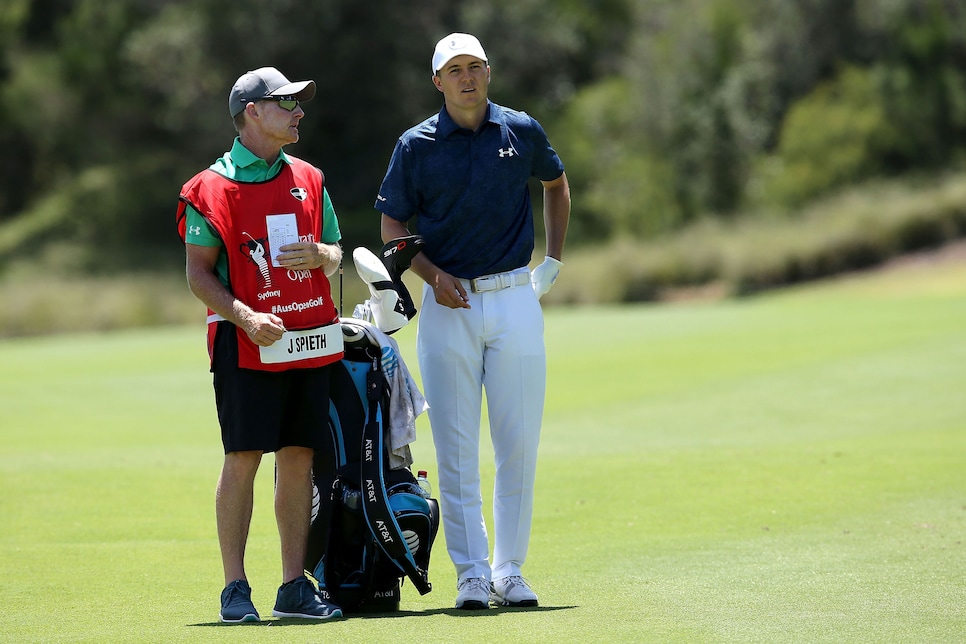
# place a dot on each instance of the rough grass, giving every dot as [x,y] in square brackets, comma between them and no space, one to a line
[861,228]
[72,304]
[857,229]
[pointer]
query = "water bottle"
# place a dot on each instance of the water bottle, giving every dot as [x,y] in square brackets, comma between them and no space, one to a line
[351,498]
[423,483]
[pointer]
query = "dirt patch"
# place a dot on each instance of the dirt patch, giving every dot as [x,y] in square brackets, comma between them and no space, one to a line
[952,253]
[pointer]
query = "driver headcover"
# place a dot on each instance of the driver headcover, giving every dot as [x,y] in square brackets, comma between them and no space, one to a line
[397,256]
[384,308]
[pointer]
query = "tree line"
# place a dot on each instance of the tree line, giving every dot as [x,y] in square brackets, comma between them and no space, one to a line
[664,111]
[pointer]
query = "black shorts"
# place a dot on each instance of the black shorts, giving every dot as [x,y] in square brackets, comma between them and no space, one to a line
[264,410]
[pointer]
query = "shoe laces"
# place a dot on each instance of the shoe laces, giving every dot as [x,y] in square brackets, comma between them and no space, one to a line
[474,583]
[514,580]
[238,590]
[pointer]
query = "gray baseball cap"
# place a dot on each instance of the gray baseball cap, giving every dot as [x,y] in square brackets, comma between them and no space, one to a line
[266,81]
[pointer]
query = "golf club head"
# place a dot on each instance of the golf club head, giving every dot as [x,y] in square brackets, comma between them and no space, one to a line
[353,335]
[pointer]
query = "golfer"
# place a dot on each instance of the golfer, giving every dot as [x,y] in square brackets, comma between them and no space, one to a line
[463,174]
[261,237]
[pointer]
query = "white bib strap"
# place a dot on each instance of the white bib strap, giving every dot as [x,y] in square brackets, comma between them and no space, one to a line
[303,345]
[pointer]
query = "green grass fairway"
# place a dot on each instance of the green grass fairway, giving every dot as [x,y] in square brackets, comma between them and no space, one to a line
[788,468]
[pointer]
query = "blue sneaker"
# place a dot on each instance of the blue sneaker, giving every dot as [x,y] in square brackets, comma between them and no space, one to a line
[236,603]
[298,598]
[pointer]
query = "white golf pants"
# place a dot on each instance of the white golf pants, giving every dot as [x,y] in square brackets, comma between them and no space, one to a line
[497,347]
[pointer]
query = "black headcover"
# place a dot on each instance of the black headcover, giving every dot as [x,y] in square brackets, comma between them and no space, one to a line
[397,256]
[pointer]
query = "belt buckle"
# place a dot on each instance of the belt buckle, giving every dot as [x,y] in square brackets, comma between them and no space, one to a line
[477,284]
[495,282]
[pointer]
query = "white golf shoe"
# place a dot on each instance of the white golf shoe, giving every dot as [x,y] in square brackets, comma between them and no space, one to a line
[474,594]
[513,591]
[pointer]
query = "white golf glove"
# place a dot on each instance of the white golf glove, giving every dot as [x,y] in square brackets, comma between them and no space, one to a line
[545,275]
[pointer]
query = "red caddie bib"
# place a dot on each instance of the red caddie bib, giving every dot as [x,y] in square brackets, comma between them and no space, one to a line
[253,219]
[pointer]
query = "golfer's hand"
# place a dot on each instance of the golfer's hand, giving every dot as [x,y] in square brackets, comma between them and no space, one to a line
[545,275]
[449,291]
[264,329]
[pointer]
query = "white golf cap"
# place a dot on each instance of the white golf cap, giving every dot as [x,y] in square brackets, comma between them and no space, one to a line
[455,45]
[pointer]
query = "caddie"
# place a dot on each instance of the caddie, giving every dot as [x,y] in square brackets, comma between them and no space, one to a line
[261,237]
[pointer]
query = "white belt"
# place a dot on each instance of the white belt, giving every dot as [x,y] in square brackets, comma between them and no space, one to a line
[498,281]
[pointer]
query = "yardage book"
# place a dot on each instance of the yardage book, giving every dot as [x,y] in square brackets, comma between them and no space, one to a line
[282,229]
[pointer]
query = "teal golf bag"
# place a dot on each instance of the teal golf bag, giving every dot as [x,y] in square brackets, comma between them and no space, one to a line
[372,526]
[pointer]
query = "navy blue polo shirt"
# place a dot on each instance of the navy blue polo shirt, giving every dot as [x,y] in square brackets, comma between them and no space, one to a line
[468,190]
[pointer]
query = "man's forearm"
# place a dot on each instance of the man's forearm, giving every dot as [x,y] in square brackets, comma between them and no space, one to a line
[332,254]
[207,288]
[556,214]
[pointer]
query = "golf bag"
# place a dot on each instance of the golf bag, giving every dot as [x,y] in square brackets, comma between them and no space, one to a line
[372,526]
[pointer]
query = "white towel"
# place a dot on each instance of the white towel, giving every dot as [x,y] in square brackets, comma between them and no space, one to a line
[406,401]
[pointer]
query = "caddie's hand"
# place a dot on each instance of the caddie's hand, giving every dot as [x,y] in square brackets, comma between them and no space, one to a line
[264,329]
[449,291]
[308,255]
[545,275]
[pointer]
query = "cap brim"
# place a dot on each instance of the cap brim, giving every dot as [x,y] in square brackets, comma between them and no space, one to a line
[457,55]
[303,91]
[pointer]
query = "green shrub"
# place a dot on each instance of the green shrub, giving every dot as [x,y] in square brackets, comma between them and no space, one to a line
[854,230]
[624,188]
[837,135]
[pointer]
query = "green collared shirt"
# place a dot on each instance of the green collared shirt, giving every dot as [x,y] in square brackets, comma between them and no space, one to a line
[240,164]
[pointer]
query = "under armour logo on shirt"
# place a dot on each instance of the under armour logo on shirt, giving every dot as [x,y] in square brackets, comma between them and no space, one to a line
[508,152]
[194,230]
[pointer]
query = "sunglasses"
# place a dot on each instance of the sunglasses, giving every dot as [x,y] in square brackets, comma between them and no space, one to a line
[288,103]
